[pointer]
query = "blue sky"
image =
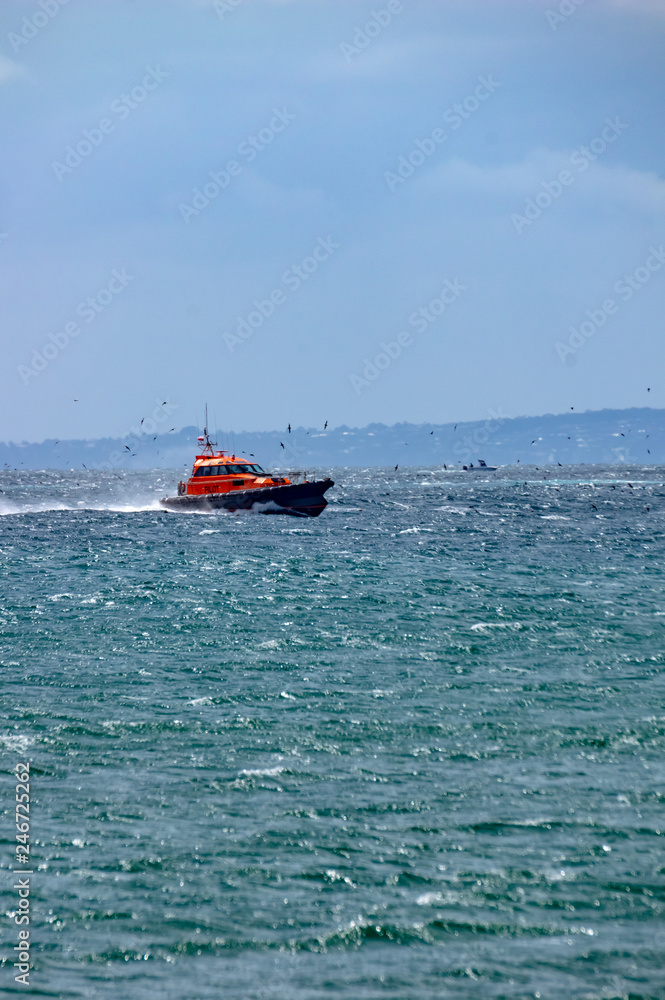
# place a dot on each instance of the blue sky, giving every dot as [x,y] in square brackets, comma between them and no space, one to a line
[422,211]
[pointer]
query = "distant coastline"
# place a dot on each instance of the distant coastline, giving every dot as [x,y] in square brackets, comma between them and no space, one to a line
[630,436]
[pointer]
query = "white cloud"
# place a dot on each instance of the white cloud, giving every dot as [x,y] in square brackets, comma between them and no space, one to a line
[642,191]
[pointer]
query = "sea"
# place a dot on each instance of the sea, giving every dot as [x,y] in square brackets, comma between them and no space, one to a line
[412,749]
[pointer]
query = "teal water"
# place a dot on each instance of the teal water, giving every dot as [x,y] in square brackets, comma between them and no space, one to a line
[411,749]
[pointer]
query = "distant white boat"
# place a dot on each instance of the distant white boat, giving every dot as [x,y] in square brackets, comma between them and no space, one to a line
[481,467]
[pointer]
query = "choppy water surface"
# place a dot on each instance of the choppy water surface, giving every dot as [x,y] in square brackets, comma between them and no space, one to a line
[410,749]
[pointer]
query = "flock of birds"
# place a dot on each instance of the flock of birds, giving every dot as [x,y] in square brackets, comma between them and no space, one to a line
[289,430]
[325,426]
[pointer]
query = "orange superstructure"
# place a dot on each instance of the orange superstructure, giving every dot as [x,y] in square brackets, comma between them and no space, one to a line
[219,472]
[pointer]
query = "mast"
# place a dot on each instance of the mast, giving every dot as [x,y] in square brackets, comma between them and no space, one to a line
[208,445]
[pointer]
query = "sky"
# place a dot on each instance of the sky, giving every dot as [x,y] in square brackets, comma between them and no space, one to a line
[299,211]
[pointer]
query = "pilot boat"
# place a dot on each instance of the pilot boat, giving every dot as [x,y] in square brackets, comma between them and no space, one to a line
[222,481]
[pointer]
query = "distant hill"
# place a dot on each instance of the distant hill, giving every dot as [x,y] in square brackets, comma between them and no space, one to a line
[635,436]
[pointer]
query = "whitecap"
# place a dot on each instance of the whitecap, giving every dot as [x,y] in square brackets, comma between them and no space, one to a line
[479,626]
[262,772]
[16,742]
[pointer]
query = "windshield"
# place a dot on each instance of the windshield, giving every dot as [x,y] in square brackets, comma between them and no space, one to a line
[229,470]
[237,470]
[244,470]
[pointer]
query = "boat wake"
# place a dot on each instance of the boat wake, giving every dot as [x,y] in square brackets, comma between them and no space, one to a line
[7,509]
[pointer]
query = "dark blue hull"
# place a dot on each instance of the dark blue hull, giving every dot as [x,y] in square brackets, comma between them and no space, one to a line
[299,499]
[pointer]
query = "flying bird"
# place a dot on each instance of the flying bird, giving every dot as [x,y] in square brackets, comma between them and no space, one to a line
[648,390]
[431,432]
[396,468]
[594,506]
[559,464]
[142,419]
[281,444]
[325,425]
[534,441]
[289,428]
